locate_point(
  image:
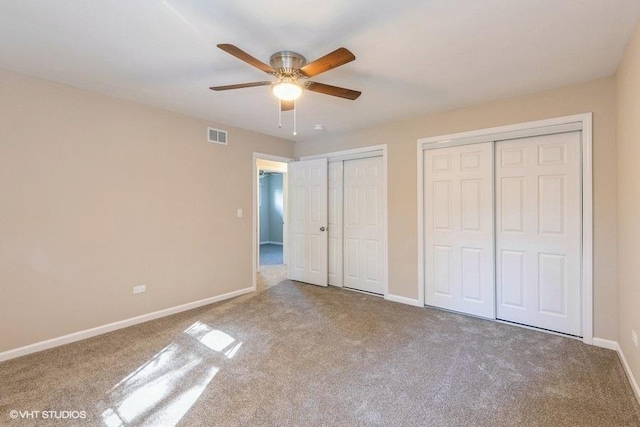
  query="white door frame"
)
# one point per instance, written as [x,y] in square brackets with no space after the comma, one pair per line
[358,153]
[583,122]
[255,224]
[336,228]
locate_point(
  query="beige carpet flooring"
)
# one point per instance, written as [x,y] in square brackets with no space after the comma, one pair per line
[299,355]
[270,275]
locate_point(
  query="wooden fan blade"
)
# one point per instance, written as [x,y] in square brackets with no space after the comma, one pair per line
[333,90]
[332,60]
[244,56]
[287,105]
[240,86]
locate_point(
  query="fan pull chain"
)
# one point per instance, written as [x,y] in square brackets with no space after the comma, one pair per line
[280,113]
[294,119]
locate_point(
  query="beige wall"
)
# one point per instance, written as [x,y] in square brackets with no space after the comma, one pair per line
[98,195]
[628,142]
[597,97]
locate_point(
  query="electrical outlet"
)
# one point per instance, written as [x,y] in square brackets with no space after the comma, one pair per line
[634,337]
[139,289]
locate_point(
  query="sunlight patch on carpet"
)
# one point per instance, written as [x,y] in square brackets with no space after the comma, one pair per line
[214,339]
[160,392]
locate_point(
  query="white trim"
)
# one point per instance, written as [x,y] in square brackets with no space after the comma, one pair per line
[255,265]
[337,183]
[587,228]
[285,217]
[404,300]
[88,333]
[356,156]
[613,345]
[503,136]
[520,130]
[351,154]
[421,243]
[385,200]
[632,379]
[608,344]
[361,153]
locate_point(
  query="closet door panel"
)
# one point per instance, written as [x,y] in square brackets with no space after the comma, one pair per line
[364,225]
[538,239]
[458,224]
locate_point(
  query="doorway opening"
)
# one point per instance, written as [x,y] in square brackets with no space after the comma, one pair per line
[270,245]
[271,212]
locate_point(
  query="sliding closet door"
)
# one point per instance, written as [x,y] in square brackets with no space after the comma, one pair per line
[538,239]
[458,224]
[364,225]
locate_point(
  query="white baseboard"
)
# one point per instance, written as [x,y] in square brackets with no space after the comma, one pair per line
[403,300]
[608,344]
[613,345]
[88,333]
[268,242]
[632,379]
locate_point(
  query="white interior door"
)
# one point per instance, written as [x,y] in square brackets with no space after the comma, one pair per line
[308,221]
[459,233]
[538,239]
[335,223]
[363,221]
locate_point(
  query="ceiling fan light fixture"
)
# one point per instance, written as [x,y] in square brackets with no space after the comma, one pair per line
[287,89]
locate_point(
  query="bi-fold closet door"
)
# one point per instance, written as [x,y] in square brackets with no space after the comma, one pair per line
[502,224]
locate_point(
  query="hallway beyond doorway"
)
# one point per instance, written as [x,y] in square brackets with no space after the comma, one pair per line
[270,254]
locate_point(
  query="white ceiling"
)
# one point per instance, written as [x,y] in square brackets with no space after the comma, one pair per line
[413,57]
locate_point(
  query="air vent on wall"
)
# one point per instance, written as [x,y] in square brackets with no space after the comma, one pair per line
[216,135]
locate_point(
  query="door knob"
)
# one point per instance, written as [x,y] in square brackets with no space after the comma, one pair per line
[322,228]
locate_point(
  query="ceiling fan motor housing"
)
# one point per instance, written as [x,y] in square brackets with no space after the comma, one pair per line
[287,61]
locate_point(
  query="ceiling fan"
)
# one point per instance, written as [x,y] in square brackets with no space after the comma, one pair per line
[292,71]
